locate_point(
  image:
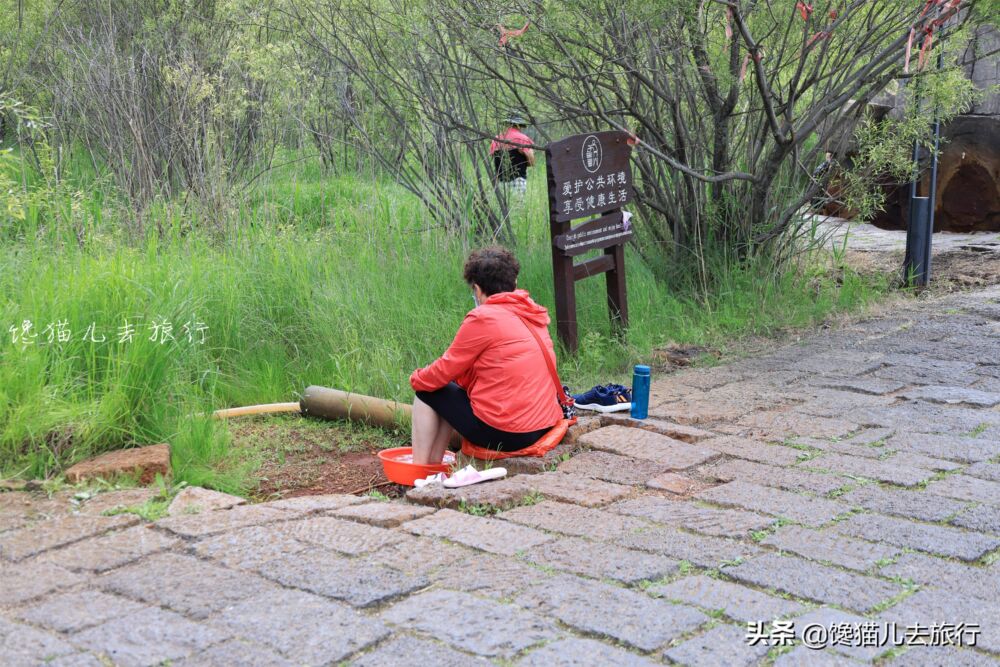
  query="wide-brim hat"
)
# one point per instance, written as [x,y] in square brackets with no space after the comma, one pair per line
[515,118]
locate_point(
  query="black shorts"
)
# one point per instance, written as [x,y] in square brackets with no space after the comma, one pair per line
[452,403]
[509,165]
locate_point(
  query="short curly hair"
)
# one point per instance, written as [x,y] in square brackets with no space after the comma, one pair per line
[494,269]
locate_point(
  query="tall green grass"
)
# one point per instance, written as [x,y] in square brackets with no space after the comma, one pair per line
[333,281]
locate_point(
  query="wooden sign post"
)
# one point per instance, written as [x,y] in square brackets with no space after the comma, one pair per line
[588,176]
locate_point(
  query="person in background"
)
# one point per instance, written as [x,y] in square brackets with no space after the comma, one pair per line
[512,154]
[492,384]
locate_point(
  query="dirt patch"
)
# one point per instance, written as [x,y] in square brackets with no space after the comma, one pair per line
[971,266]
[298,456]
[678,355]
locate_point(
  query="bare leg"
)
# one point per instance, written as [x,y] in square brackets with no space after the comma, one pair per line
[430,434]
[441,441]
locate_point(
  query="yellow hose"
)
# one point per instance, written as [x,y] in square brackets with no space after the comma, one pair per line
[268,408]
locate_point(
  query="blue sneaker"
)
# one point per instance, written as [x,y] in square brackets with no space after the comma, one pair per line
[605,398]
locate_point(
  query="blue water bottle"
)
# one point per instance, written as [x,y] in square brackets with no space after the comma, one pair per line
[640,392]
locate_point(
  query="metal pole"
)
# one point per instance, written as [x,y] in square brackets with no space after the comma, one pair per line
[920,225]
[916,228]
[933,193]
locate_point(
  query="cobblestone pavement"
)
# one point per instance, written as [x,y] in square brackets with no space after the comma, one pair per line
[866,237]
[825,493]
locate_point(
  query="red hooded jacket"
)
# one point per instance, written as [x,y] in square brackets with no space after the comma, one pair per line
[497,361]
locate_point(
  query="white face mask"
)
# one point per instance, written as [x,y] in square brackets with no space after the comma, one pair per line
[475,300]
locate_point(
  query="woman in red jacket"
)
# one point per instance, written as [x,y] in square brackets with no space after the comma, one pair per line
[492,384]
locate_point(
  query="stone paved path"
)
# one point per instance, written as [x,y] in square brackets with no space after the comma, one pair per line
[823,493]
[865,237]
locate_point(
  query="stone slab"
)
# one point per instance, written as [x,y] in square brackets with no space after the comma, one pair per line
[641,444]
[499,630]
[12,522]
[182,583]
[736,602]
[843,447]
[198,525]
[149,637]
[528,465]
[830,404]
[582,427]
[700,379]
[303,628]
[248,548]
[977,582]
[575,489]
[421,556]
[406,651]
[574,520]
[871,386]
[893,470]
[982,470]
[195,500]
[500,494]
[41,536]
[111,550]
[235,652]
[910,370]
[782,425]
[145,462]
[30,579]
[612,467]
[921,417]
[107,501]
[791,479]
[721,645]
[600,609]
[486,534]
[981,518]
[898,502]
[802,656]
[702,550]
[953,396]
[942,656]
[961,544]
[871,437]
[577,652]
[313,504]
[677,484]
[601,561]
[830,620]
[356,581]
[72,612]
[491,576]
[813,581]
[966,487]
[950,447]
[682,514]
[76,660]
[831,547]
[753,450]
[929,462]
[799,508]
[25,646]
[681,432]
[347,537]
[382,514]
[941,604]
[704,410]
[841,363]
